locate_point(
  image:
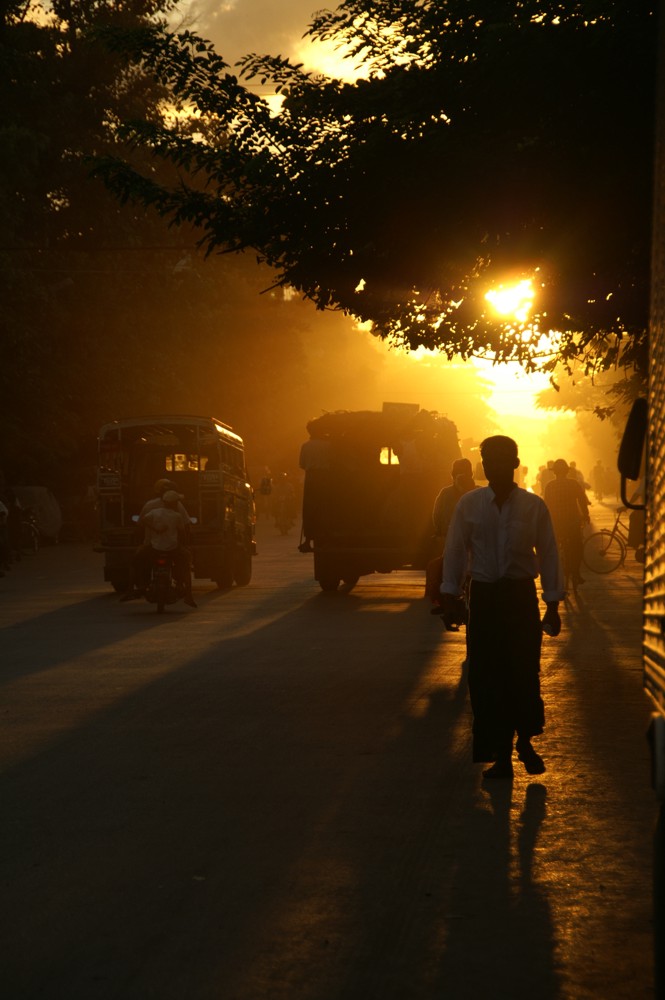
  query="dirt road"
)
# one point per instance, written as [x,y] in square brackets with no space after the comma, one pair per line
[272,797]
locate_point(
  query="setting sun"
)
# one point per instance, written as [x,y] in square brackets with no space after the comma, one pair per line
[514,301]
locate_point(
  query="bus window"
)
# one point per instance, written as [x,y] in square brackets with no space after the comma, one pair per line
[388,457]
[232,459]
[181,462]
[237,461]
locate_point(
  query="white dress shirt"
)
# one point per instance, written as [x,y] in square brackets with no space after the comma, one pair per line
[516,542]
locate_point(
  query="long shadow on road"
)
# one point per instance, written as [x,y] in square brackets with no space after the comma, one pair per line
[47,640]
[291,814]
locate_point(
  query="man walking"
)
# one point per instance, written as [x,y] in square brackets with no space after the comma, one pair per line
[503,536]
[569,509]
[444,505]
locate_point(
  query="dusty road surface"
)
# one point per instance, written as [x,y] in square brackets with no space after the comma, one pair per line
[272,797]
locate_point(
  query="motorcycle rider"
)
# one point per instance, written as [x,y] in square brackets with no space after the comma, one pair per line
[161,487]
[165,530]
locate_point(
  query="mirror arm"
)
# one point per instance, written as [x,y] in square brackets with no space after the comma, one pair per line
[624,499]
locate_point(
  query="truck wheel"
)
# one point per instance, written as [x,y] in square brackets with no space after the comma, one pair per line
[242,567]
[328,581]
[350,582]
[224,575]
[119,582]
[161,593]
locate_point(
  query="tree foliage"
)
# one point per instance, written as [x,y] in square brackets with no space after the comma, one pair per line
[66,247]
[481,141]
[107,312]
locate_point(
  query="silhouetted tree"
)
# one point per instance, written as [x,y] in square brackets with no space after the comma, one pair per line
[73,263]
[483,141]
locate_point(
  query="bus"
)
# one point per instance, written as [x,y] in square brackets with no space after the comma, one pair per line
[204,458]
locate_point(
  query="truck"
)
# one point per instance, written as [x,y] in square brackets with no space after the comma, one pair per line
[204,459]
[371,479]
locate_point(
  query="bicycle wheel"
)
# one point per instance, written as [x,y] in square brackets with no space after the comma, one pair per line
[603,552]
[565,563]
[29,537]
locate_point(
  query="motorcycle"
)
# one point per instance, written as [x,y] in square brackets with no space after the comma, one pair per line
[283,514]
[163,588]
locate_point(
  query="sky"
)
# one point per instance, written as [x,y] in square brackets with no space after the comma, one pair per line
[238,27]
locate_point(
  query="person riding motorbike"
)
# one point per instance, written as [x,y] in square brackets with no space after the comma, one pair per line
[161,487]
[165,531]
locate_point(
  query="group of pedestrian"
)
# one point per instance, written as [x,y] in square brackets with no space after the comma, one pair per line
[604,481]
[498,539]
[546,474]
[263,493]
[276,497]
[563,487]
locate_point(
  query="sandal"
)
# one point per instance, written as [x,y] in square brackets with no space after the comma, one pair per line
[533,762]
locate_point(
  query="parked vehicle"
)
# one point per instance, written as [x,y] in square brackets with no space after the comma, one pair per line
[44,508]
[205,460]
[370,510]
[606,550]
[30,536]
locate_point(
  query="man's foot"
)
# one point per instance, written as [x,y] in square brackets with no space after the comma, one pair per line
[189,600]
[502,769]
[533,762]
[305,547]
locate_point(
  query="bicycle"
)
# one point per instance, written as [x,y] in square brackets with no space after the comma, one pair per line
[605,551]
[570,553]
[29,531]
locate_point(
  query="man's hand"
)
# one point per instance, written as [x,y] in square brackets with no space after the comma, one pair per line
[453,612]
[551,621]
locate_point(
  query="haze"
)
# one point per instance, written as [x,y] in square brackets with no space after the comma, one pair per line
[349,369]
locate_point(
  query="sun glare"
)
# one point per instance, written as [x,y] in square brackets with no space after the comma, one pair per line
[325,57]
[513,301]
[540,433]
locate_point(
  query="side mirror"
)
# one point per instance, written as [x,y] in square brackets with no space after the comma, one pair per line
[631,448]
